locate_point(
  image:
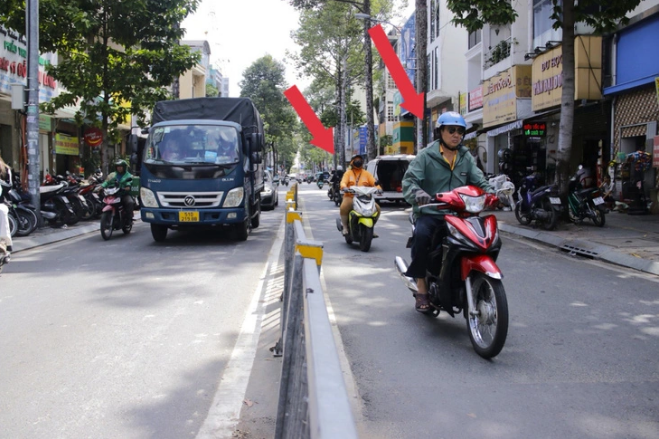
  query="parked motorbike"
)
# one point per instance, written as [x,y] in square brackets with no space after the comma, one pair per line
[55,206]
[22,212]
[502,184]
[585,203]
[114,216]
[361,219]
[463,275]
[540,204]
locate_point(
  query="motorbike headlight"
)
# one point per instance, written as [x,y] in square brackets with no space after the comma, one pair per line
[148,197]
[474,204]
[234,197]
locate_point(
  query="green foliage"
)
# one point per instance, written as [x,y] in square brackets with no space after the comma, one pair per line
[264,83]
[211,90]
[113,54]
[473,14]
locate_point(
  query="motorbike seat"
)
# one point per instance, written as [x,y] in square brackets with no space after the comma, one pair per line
[538,190]
[50,188]
[585,192]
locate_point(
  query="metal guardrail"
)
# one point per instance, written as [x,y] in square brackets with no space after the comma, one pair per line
[313,400]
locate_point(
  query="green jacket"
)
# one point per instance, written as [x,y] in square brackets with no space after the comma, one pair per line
[430,172]
[112,181]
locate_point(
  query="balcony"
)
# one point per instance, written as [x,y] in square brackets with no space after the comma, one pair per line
[498,53]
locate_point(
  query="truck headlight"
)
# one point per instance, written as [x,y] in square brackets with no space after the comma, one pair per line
[148,198]
[234,197]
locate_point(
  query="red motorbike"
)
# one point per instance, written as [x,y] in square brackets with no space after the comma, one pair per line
[114,216]
[463,275]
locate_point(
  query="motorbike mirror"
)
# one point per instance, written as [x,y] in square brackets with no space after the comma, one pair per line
[580,167]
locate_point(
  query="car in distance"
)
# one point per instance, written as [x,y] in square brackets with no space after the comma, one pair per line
[269,194]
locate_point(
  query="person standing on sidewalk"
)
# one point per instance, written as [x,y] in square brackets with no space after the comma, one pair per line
[443,166]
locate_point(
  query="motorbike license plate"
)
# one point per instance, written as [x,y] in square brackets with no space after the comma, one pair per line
[554,200]
[188,216]
[598,201]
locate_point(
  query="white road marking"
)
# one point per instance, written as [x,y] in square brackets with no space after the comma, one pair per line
[224,413]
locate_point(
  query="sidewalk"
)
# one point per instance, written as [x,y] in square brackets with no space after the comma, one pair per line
[627,240]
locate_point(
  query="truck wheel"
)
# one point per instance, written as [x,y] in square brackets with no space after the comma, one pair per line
[158,232]
[256,219]
[242,230]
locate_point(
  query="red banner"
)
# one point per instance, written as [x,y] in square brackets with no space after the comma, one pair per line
[93,136]
[655,153]
[476,98]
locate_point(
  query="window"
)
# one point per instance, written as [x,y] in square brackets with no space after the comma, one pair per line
[434,19]
[390,81]
[390,112]
[475,38]
[542,23]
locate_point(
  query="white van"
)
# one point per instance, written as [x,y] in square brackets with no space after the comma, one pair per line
[388,170]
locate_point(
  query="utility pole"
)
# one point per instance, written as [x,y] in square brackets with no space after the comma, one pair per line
[32,32]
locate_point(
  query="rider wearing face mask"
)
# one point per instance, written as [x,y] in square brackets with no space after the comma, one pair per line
[354,176]
[441,167]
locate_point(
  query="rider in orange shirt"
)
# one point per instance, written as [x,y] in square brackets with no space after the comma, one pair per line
[355,176]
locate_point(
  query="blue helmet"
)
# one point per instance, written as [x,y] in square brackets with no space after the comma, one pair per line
[451,118]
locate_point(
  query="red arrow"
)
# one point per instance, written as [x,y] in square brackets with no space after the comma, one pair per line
[322,137]
[413,101]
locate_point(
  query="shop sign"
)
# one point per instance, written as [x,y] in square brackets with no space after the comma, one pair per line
[13,65]
[548,73]
[398,99]
[655,153]
[656,87]
[66,145]
[44,123]
[93,136]
[500,95]
[463,103]
[535,129]
[476,98]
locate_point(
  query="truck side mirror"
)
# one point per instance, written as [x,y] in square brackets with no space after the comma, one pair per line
[132,142]
[257,159]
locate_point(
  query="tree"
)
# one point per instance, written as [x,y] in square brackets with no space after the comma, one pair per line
[382,7]
[264,83]
[330,38]
[473,14]
[211,90]
[117,57]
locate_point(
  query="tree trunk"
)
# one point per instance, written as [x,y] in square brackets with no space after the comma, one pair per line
[567,99]
[371,149]
[342,107]
[421,43]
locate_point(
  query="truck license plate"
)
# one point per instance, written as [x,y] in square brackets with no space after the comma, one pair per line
[188,217]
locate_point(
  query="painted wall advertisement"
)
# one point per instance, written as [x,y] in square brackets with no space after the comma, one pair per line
[13,66]
[66,145]
[476,98]
[500,95]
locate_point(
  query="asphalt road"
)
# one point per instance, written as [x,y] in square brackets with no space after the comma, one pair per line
[126,338]
[581,359]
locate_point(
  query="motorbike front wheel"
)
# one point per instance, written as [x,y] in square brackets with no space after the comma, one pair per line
[524,218]
[366,237]
[106,225]
[488,324]
[599,217]
[127,227]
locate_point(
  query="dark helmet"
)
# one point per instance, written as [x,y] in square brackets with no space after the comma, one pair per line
[355,156]
[504,155]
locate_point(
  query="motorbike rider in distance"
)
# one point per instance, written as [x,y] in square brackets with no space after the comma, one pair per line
[355,176]
[123,179]
[441,167]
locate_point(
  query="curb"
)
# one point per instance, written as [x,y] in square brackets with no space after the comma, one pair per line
[28,243]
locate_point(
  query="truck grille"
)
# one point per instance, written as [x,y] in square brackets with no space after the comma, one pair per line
[197,200]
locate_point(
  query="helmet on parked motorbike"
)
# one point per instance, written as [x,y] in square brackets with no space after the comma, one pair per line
[504,155]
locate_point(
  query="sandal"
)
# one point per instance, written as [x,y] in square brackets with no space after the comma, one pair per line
[422,303]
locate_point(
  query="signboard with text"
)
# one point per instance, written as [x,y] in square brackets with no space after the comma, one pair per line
[655,153]
[476,98]
[66,145]
[535,129]
[500,95]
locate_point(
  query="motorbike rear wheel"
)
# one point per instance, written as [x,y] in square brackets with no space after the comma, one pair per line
[106,225]
[13,225]
[524,218]
[550,222]
[488,327]
[26,221]
[366,237]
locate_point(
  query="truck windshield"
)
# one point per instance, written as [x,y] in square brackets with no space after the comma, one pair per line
[192,144]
